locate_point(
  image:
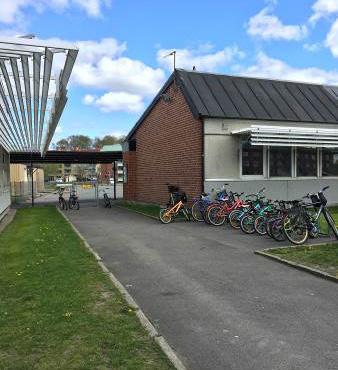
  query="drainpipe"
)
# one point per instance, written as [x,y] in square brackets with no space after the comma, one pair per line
[115,180]
[203,159]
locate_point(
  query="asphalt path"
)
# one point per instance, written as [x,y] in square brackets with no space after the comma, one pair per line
[218,304]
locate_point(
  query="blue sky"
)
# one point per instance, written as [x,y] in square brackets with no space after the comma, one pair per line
[120,65]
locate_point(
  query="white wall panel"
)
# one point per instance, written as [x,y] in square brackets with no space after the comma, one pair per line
[5,197]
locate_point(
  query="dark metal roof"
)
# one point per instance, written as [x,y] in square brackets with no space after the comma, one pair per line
[222,96]
[56,156]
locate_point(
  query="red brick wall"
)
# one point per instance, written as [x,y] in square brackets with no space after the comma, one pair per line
[168,149]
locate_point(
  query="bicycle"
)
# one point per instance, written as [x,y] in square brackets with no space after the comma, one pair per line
[73,201]
[62,200]
[106,199]
[301,223]
[236,216]
[217,214]
[201,204]
[175,206]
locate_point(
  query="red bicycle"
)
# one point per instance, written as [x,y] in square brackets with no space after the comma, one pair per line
[217,214]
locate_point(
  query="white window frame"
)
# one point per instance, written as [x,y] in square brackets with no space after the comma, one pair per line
[321,167]
[318,164]
[251,177]
[292,166]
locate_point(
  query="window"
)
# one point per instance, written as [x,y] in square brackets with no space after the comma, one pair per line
[280,162]
[330,162]
[306,162]
[252,160]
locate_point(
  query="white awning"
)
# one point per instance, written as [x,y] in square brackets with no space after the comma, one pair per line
[33,91]
[290,136]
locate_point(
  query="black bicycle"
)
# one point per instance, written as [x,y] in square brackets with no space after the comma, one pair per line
[73,201]
[106,199]
[62,201]
[303,219]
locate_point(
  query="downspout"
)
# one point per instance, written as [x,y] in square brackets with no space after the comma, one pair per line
[202,156]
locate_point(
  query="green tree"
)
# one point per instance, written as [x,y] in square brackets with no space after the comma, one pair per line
[80,142]
[107,140]
[75,142]
[62,145]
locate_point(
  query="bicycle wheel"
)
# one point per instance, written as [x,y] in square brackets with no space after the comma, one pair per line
[63,204]
[268,226]
[164,216]
[260,225]
[277,231]
[215,217]
[329,219]
[77,205]
[248,224]
[186,213]
[235,218]
[196,211]
[295,230]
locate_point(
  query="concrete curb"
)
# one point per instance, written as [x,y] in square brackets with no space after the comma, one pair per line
[139,212]
[313,271]
[145,322]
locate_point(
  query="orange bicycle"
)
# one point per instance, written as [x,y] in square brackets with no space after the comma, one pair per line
[175,206]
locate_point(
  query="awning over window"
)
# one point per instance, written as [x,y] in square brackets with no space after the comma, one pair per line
[290,136]
[33,91]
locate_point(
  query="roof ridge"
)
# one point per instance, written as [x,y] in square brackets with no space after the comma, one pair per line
[254,78]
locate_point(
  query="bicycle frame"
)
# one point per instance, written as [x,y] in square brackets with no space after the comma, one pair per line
[175,209]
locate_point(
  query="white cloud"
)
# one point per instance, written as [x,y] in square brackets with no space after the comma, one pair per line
[268,67]
[116,101]
[332,39]
[14,11]
[101,66]
[58,130]
[202,57]
[323,8]
[313,47]
[269,27]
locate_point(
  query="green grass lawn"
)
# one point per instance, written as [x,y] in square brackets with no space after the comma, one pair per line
[148,209]
[322,257]
[58,310]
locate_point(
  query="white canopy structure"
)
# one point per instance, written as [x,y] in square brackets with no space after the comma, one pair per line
[33,91]
[290,136]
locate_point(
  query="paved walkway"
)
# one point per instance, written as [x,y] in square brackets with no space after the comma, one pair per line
[218,305]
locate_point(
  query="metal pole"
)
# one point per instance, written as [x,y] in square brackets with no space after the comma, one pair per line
[114,180]
[32,184]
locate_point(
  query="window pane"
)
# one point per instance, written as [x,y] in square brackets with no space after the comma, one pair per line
[306,162]
[280,162]
[252,160]
[330,162]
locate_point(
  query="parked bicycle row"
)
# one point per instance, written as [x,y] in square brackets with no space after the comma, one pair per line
[295,220]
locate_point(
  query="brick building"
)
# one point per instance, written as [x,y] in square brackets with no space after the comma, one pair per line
[203,130]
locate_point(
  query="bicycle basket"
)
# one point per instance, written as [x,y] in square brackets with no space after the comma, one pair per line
[322,198]
[173,189]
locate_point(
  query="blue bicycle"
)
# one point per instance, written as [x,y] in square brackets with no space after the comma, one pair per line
[202,202]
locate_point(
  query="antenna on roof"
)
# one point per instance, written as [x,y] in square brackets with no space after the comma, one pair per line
[173,53]
[29,36]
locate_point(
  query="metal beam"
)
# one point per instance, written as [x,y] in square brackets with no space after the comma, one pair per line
[47,69]
[17,82]
[17,123]
[26,78]
[36,95]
